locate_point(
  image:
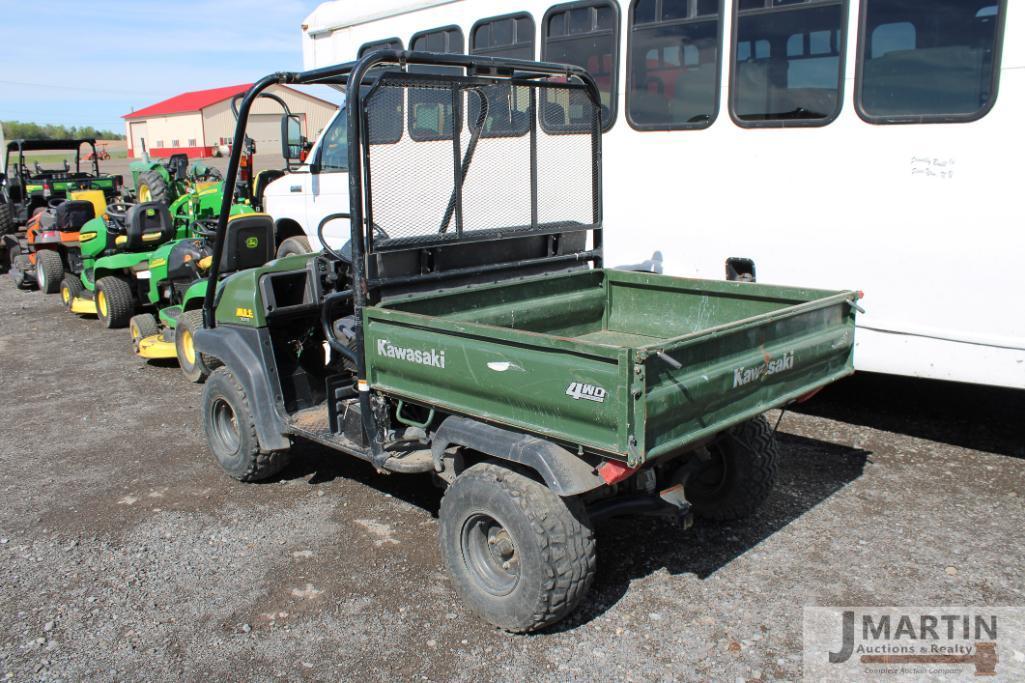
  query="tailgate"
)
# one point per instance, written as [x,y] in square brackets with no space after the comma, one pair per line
[737,370]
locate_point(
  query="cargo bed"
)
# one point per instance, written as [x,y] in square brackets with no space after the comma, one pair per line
[629,365]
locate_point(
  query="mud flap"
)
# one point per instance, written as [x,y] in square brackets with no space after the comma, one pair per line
[563,472]
[248,353]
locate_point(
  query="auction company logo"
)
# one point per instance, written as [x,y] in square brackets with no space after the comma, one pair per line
[905,643]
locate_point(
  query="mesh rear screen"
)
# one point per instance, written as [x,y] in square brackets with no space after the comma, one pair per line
[529,152]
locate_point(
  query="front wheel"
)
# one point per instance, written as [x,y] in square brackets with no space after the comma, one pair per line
[115,304]
[71,286]
[230,430]
[521,556]
[294,245]
[193,364]
[142,326]
[740,474]
[49,271]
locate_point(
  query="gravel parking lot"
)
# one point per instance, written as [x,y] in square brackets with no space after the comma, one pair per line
[126,554]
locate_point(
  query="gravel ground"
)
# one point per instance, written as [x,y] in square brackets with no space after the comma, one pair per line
[125,553]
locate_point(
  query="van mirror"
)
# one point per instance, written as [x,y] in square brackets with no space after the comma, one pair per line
[292,140]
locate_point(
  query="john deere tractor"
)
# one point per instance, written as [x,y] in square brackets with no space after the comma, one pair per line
[157,181]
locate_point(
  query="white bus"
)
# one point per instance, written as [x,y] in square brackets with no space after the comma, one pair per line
[862,144]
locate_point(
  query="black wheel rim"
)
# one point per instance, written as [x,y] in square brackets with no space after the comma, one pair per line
[490,554]
[710,479]
[224,427]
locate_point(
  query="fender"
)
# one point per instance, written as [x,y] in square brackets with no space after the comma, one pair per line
[246,351]
[563,472]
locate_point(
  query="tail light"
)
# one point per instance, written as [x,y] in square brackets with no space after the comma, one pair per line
[245,171]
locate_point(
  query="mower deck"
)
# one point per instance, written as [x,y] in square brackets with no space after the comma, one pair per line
[156,347]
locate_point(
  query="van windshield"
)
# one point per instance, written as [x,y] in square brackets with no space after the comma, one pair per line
[334,148]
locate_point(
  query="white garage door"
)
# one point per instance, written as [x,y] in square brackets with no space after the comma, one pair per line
[265,129]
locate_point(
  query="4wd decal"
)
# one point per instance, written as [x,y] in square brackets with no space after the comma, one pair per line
[429,357]
[586,392]
[742,376]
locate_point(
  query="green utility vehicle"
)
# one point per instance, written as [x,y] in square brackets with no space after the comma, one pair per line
[116,259]
[474,334]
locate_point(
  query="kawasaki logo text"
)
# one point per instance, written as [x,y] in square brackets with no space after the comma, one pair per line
[742,376]
[430,357]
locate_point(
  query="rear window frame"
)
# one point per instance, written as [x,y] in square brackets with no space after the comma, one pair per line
[864,42]
[845,30]
[617,48]
[631,28]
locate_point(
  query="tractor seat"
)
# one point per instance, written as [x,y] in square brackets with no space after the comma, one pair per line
[184,261]
[146,227]
[71,215]
[248,242]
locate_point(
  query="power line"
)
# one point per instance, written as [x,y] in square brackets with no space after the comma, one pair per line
[62,86]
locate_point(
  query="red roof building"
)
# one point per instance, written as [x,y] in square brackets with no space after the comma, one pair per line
[201,124]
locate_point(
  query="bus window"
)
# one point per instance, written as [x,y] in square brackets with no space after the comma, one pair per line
[787,62]
[512,36]
[928,60]
[673,74]
[388,44]
[430,112]
[585,34]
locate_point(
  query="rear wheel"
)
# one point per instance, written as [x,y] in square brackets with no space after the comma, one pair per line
[152,188]
[142,326]
[49,271]
[114,302]
[294,245]
[6,219]
[230,430]
[194,365]
[740,474]
[18,263]
[521,556]
[71,286]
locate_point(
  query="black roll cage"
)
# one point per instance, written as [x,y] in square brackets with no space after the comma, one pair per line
[352,75]
[22,146]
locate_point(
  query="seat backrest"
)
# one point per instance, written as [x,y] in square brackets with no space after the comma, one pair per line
[694,94]
[73,214]
[147,226]
[263,179]
[942,80]
[751,89]
[248,242]
[178,166]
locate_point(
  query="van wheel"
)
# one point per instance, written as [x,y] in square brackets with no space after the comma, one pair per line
[230,430]
[195,366]
[71,286]
[740,475]
[49,271]
[294,245]
[520,556]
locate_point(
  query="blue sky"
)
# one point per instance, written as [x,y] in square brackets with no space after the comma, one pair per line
[87,62]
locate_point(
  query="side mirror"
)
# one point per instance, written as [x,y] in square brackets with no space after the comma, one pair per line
[291,138]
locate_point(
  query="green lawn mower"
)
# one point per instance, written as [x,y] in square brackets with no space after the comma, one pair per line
[116,255]
[178,283]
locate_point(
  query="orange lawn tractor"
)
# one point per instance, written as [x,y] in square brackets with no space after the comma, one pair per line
[49,246]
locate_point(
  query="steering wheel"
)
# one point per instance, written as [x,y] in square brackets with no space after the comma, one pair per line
[379,232]
[205,228]
[118,211]
[54,203]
